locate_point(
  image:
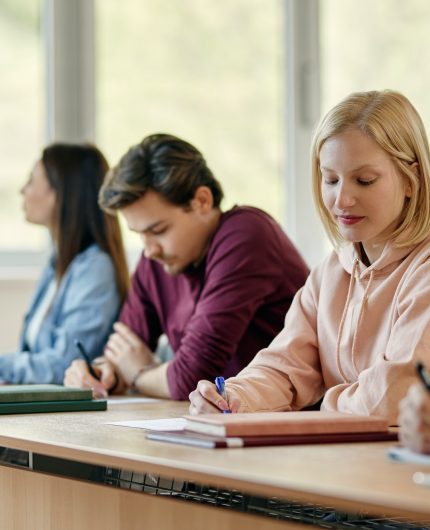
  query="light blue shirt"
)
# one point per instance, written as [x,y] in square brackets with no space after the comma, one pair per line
[85,306]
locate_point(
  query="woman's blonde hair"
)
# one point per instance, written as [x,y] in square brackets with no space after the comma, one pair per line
[393,123]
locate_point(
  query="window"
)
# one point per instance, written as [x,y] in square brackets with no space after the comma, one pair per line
[21,118]
[210,72]
[371,45]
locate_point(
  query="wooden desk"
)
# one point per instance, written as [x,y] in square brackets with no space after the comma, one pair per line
[351,477]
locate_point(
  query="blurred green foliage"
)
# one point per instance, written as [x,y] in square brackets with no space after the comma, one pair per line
[24,12]
[370,45]
[21,117]
[210,72]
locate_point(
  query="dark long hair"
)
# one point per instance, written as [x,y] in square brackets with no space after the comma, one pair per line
[76,173]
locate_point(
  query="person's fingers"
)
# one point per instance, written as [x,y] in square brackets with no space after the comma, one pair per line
[111,356]
[121,328]
[99,392]
[205,399]
[79,366]
[419,442]
[416,395]
[414,419]
[425,408]
[210,394]
[418,398]
[68,377]
[426,442]
[117,344]
[77,375]
[407,415]
[127,334]
[234,404]
[199,405]
[108,376]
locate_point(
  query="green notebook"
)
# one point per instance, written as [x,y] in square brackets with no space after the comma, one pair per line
[52,406]
[28,393]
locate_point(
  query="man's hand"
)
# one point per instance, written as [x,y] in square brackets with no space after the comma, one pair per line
[78,375]
[127,352]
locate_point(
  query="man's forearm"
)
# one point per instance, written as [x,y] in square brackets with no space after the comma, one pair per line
[153,382]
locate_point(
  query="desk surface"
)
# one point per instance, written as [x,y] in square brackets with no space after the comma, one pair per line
[348,476]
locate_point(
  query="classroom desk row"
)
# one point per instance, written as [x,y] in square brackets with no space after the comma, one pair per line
[74,471]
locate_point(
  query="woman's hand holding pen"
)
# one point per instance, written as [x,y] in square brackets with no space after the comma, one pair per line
[414,419]
[78,375]
[206,399]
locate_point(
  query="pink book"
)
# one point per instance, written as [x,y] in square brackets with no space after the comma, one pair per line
[284,423]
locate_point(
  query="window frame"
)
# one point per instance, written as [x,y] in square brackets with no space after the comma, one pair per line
[68,33]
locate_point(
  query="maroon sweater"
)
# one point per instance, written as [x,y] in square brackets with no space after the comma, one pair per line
[220,314]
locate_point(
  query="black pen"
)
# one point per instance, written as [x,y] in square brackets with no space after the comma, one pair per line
[424,376]
[86,357]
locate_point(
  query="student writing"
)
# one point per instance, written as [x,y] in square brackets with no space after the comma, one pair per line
[356,329]
[82,286]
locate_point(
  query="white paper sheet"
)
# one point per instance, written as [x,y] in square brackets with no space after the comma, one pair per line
[123,400]
[167,424]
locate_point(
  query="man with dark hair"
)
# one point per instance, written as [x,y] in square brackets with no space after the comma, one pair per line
[217,284]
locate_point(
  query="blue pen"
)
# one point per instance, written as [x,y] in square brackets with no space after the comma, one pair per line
[220,388]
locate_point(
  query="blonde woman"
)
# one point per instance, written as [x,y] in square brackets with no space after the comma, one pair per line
[355,331]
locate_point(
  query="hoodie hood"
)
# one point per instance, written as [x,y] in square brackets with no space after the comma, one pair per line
[389,259]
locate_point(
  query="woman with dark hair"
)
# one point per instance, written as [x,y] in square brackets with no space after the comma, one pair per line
[86,280]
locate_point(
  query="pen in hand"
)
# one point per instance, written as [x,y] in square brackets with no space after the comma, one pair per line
[423,375]
[420,478]
[220,387]
[86,358]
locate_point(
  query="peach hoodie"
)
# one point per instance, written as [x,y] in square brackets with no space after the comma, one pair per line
[352,335]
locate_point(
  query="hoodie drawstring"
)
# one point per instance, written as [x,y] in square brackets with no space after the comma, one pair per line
[342,320]
[360,318]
